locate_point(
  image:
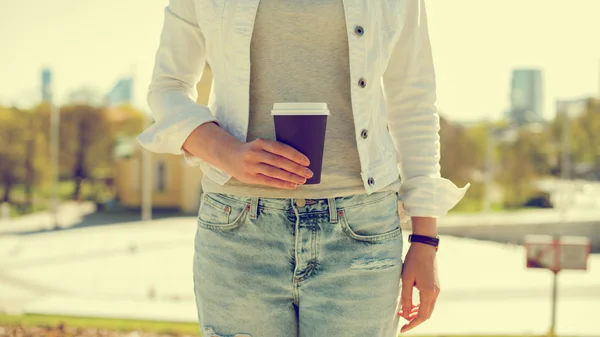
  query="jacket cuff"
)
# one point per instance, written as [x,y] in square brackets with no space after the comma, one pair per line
[212,172]
[430,196]
[169,134]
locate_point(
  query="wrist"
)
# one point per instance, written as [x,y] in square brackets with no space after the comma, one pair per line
[212,144]
[426,226]
[424,241]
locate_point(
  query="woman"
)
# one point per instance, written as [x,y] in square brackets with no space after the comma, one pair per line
[275,257]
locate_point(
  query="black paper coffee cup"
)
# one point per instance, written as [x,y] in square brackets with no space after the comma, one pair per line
[302,126]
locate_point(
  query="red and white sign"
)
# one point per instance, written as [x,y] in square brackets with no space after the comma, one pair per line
[556,254]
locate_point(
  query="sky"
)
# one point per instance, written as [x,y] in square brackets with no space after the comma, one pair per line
[476,44]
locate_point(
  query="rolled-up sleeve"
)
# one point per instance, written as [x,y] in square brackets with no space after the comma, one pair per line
[179,64]
[413,119]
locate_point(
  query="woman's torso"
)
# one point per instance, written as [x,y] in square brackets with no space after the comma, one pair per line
[299,53]
[371,30]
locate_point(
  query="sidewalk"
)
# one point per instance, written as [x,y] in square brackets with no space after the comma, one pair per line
[143,271]
[69,213]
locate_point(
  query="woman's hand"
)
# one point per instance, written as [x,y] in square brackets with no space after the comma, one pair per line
[419,271]
[263,161]
[268,162]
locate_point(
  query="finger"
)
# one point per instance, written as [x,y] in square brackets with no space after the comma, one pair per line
[280,174]
[407,295]
[284,164]
[283,150]
[261,179]
[412,316]
[409,315]
[414,310]
[416,321]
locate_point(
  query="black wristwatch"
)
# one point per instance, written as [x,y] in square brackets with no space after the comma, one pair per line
[428,240]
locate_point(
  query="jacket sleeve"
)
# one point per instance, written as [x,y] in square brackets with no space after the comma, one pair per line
[413,119]
[179,64]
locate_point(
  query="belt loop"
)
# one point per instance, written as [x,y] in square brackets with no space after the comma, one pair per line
[332,210]
[254,208]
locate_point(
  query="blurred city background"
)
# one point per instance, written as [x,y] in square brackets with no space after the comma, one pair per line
[92,226]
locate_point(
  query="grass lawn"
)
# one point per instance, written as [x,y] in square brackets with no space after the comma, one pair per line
[101,323]
[170,328]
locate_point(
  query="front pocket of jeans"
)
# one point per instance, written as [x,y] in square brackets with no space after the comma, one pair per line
[218,214]
[374,223]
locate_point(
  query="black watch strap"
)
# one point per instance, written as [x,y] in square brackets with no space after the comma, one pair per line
[428,240]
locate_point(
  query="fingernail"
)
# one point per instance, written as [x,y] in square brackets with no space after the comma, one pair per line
[292,185]
[306,161]
[308,173]
[301,180]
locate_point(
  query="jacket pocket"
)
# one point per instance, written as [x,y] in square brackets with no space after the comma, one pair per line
[373,222]
[217,212]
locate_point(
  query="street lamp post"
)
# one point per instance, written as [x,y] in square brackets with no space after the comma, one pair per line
[54,154]
[48,96]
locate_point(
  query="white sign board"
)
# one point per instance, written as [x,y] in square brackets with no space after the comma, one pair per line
[556,254]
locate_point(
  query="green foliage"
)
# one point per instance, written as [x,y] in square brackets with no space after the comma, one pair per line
[584,132]
[126,121]
[457,149]
[23,151]
[87,138]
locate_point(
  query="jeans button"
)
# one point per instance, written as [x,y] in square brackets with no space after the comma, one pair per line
[300,202]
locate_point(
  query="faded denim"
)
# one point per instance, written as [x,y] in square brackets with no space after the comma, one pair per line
[278,268]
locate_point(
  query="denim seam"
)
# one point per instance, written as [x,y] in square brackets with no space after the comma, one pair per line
[246,202]
[210,200]
[242,202]
[331,206]
[225,227]
[375,238]
[370,202]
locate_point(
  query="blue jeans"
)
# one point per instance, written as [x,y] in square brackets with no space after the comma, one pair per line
[298,267]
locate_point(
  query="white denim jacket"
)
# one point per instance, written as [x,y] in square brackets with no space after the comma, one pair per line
[393,91]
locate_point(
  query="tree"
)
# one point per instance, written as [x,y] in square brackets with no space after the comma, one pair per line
[522,162]
[458,151]
[460,161]
[86,142]
[125,120]
[37,157]
[13,150]
[585,134]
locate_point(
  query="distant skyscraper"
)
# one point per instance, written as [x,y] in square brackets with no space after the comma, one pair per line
[526,96]
[46,85]
[121,93]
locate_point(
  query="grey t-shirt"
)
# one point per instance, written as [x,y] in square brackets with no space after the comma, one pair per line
[299,53]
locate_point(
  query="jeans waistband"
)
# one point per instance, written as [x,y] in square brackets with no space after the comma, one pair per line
[306,205]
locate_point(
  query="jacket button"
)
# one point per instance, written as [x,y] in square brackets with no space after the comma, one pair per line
[371,181]
[359,30]
[364,133]
[362,83]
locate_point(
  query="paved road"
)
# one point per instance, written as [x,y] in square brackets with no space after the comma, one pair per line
[138,270]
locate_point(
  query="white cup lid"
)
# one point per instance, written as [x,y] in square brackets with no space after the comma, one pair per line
[300,108]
